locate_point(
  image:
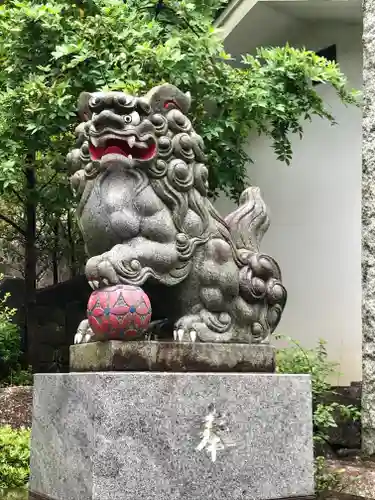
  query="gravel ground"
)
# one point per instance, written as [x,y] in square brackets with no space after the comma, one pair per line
[16,406]
[358,478]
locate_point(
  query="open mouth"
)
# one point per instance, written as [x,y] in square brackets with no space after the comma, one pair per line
[128,146]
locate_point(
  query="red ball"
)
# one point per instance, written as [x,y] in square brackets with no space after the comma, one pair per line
[120,312]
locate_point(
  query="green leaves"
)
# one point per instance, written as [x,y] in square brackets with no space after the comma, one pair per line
[294,359]
[314,362]
[113,43]
[14,457]
[67,49]
[50,52]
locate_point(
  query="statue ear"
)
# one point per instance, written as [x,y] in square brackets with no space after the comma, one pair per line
[84,112]
[166,97]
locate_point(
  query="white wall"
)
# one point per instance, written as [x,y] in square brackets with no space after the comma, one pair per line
[315,207]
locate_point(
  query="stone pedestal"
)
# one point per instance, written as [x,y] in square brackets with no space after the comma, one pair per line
[172,356]
[141,436]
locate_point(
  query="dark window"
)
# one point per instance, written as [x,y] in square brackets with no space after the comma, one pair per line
[329,53]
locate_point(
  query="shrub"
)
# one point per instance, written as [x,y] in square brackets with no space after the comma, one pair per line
[10,341]
[11,371]
[314,362]
[14,457]
[16,494]
[18,376]
[326,479]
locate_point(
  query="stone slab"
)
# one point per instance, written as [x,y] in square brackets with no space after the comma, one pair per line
[171,356]
[134,436]
[368,230]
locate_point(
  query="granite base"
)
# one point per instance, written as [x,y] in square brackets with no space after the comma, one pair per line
[134,436]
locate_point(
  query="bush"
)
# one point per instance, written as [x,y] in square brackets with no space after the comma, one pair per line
[18,376]
[10,341]
[314,362]
[17,494]
[14,457]
[11,371]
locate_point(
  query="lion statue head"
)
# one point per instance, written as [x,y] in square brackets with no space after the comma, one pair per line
[153,135]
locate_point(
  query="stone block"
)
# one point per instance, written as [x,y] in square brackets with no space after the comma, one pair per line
[171,356]
[136,436]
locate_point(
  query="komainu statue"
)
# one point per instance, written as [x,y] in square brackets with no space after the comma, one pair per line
[140,173]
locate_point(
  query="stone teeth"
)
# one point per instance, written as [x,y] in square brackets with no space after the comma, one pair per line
[131,141]
[130,157]
[175,334]
[193,335]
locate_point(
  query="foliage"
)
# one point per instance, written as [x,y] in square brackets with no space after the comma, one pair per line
[11,371]
[52,51]
[315,362]
[326,479]
[325,416]
[10,343]
[18,376]
[10,340]
[58,240]
[15,494]
[330,479]
[14,457]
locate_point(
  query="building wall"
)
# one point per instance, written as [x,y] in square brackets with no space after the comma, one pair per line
[315,207]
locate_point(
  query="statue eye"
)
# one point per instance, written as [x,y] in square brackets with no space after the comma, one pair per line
[127,119]
[95,102]
[121,100]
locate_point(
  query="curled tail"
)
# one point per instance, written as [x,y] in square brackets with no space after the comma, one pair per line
[250,221]
[260,286]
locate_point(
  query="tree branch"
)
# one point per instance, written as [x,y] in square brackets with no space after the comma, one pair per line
[13,224]
[15,268]
[41,229]
[48,182]
[12,249]
[14,238]
[17,195]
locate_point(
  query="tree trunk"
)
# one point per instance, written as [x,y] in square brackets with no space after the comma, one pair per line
[55,254]
[72,248]
[30,265]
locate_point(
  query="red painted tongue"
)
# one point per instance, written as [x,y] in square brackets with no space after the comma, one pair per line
[96,153]
[113,150]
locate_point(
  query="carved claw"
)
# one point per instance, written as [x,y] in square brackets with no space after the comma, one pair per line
[100,272]
[183,335]
[94,284]
[193,335]
[82,339]
[180,334]
[84,333]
